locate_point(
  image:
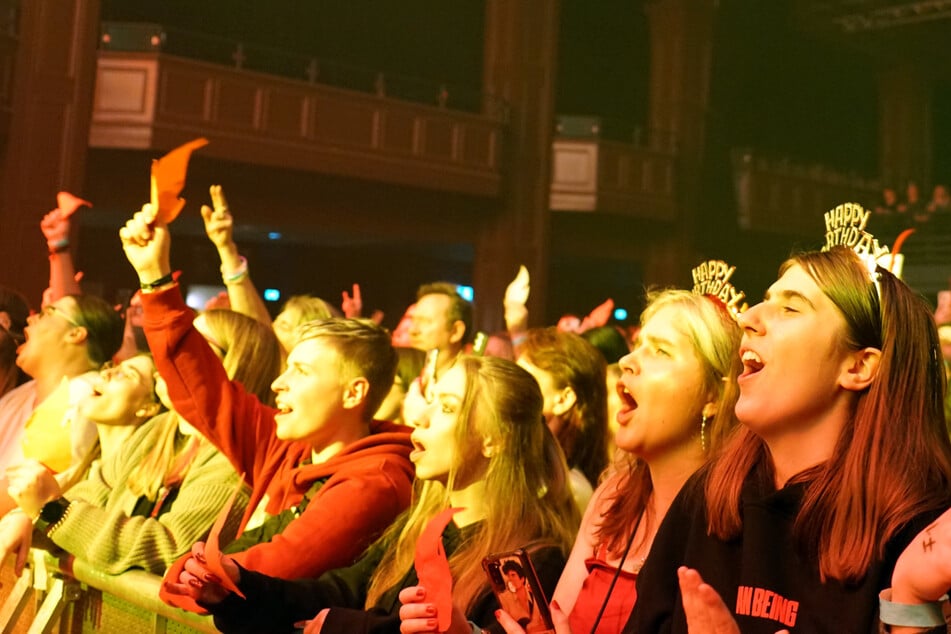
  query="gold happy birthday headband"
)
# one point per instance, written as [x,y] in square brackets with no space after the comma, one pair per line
[712,278]
[845,226]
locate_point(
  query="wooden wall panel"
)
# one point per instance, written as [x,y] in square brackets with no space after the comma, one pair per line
[438,139]
[341,122]
[286,114]
[184,95]
[399,132]
[237,105]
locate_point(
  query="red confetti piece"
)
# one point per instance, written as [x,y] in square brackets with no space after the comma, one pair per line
[432,567]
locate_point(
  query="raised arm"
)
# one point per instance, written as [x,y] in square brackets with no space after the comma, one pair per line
[516,313]
[200,390]
[55,228]
[219,227]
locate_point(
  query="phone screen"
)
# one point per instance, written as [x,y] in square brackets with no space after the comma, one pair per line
[518,590]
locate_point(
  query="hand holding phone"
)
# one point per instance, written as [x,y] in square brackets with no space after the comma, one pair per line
[516,587]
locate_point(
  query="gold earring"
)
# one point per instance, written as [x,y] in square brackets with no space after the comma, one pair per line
[703,433]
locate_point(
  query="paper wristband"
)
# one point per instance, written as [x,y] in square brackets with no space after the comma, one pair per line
[910,615]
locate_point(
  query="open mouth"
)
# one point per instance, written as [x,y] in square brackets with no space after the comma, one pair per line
[752,363]
[283,409]
[627,399]
[418,449]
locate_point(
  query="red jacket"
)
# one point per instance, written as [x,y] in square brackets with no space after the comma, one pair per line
[369,484]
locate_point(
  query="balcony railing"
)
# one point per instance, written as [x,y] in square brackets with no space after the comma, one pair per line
[611,177]
[777,196]
[151,100]
[156,38]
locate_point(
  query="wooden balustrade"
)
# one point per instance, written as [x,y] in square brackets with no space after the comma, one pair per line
[156,101]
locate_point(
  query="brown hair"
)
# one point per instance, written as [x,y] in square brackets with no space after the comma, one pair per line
[459,308]
[866,491]
[573,362]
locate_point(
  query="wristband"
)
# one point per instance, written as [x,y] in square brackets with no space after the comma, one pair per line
[51,515]
[58,246]
[909,615]
[162,281]
[232,277]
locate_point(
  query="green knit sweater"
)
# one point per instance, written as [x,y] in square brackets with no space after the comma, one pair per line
[98,528]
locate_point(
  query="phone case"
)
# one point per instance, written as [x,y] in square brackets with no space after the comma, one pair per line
[515,584]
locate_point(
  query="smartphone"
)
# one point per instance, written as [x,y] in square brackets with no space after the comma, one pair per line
[514,582]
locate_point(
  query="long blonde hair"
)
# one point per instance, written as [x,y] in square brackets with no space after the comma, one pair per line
[528,502]
[251,356]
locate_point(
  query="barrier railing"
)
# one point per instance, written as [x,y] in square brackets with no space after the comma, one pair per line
[63,595]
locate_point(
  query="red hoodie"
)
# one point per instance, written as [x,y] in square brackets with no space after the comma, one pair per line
[369,482]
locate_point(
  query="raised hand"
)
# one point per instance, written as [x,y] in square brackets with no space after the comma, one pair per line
[55,228]
[352,306]
[516,294]
[597,317]
[518,289]
[219,224]
[146,245]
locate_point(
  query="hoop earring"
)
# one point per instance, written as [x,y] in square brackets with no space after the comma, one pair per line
[703,433]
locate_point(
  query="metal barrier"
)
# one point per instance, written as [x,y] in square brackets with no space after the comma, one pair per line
[72,597]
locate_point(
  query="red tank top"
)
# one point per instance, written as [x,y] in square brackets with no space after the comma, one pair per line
[592,594]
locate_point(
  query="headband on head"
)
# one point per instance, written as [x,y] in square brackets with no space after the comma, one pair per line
[845,226]
[711,278]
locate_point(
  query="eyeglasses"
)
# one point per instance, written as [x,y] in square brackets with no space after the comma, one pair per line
[50,309]
[110,369]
